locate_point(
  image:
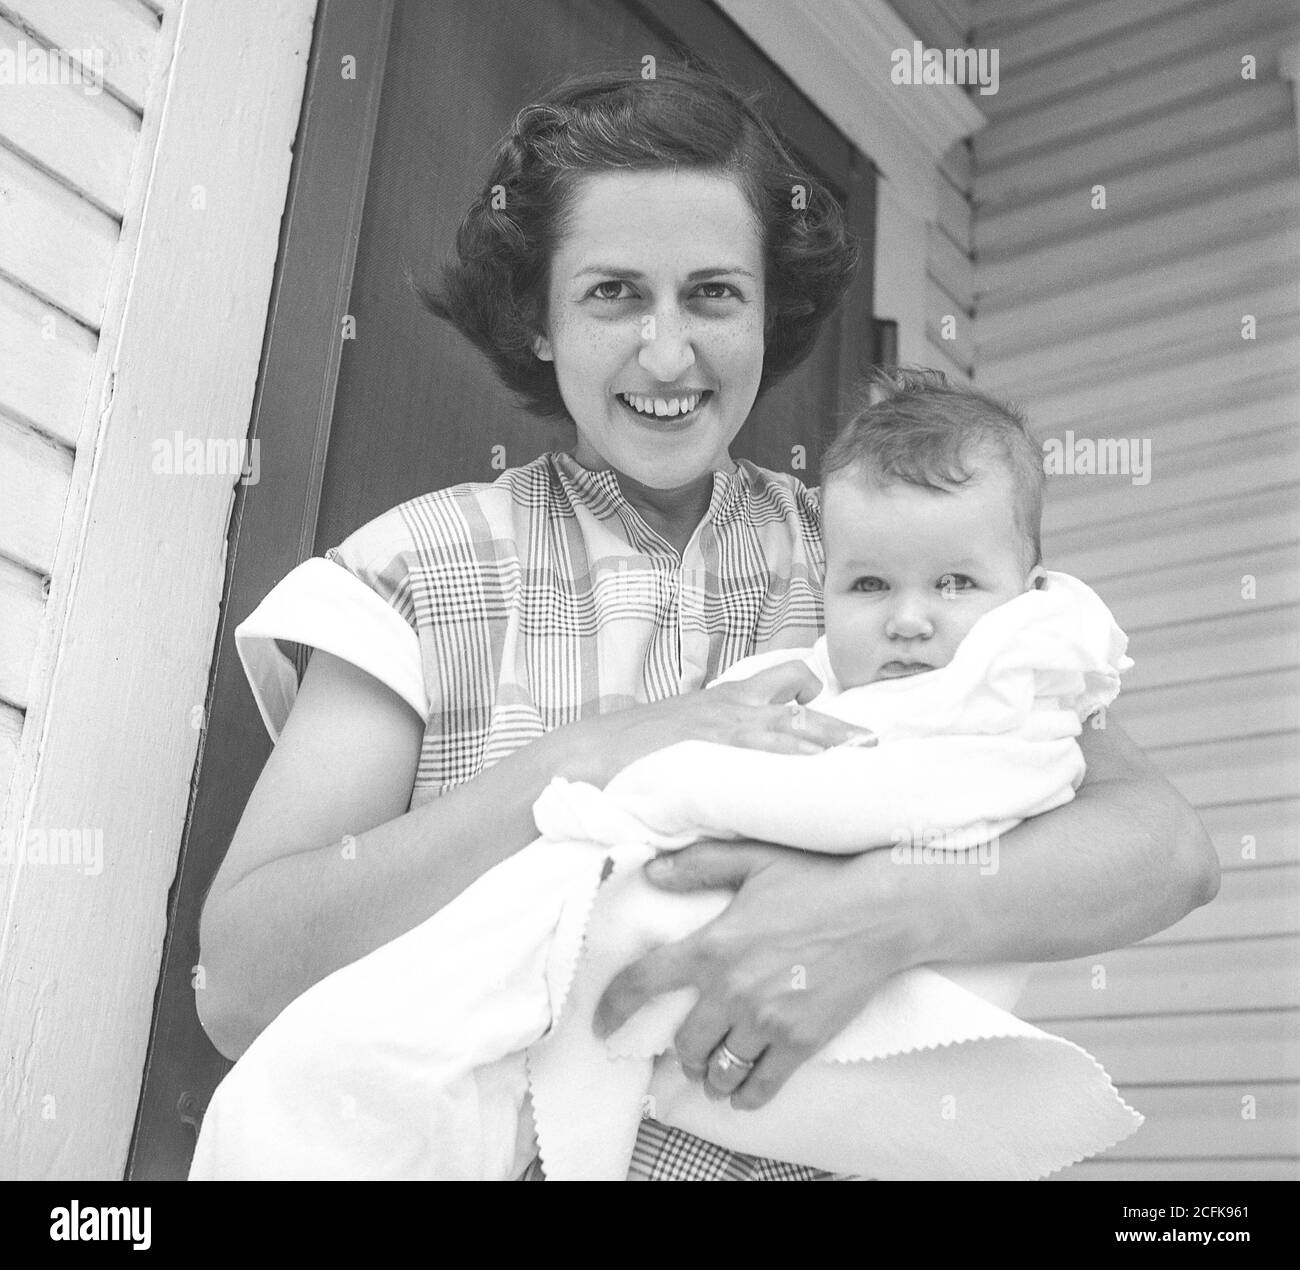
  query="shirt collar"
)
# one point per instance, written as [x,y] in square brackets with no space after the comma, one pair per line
[599,490]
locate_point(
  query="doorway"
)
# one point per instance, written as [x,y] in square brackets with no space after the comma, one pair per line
[385,162]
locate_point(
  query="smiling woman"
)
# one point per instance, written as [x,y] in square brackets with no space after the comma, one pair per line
[674,317]
[644,260]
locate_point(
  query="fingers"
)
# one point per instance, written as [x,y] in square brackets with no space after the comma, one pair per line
[709,864]
[774,1067]
[821,729]
[698,1037]
[660,970]
[790,681]
[732,1062]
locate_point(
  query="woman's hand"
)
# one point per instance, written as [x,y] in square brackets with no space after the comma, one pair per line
[792,960]
[808,938]
[764,712]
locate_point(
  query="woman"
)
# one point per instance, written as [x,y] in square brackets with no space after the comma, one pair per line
[637,262]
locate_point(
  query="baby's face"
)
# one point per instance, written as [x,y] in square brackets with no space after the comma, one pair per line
[910,570]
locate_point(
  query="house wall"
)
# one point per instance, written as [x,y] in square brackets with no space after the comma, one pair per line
[839,53]
[937,327]
[1127,322]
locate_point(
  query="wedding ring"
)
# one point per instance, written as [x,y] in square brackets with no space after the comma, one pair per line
[726,1060]
[798,716]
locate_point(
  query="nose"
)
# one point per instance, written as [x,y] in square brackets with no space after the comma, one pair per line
[667,349]
[910,619]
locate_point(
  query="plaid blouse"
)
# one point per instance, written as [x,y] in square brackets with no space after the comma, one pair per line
[544,597]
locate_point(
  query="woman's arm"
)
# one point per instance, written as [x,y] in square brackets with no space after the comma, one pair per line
[808,939]
[327,863]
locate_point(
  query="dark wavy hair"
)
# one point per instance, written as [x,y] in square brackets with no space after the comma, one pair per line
[494,288]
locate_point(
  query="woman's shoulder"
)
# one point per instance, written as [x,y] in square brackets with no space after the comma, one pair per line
[441,524]
[782,492]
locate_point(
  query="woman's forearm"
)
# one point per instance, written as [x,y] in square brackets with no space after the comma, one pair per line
[335,903]
[1126,858]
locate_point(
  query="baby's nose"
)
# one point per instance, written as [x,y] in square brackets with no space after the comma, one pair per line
[910,621]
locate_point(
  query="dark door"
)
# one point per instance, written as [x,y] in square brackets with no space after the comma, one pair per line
[384,165]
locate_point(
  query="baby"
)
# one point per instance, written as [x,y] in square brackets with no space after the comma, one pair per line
[931,504]
[973,667]
[931,509]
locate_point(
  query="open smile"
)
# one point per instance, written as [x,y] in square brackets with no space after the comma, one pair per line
[675,410]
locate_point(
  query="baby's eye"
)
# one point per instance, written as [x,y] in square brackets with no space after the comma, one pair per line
[867,584]
[601,291]
[951,583]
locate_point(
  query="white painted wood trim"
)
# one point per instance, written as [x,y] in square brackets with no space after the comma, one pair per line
[838,53]
[110,742]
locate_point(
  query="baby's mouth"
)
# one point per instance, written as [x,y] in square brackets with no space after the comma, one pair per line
[900,669]
[673,409]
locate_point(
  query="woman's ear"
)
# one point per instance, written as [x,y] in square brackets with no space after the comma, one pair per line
[542,348]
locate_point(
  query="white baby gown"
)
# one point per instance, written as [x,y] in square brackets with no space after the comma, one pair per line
[417,1061]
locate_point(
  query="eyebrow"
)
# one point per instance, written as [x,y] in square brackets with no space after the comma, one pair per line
[636,276]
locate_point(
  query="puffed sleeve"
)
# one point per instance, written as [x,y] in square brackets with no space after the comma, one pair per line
[354,603]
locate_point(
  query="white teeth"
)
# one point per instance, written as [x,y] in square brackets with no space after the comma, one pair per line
[662,407]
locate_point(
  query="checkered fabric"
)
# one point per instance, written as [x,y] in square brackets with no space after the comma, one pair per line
[544,597]
[664,1154]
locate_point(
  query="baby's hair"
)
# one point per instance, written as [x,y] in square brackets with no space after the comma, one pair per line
[493,290]
[923,430]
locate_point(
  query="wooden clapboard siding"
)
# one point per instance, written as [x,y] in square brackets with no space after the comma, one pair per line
[946,24]
[1210,529]
[1127,322]
[1153,979]
[950,274]
[1168,85]
[1094,353]
[66,156]
[1135,195]
[1260,833]
[1193,1048]
[1046,29]
[1196,1168]
[1087,65]
[1041,176]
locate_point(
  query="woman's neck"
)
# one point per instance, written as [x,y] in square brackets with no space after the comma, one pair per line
[673,513]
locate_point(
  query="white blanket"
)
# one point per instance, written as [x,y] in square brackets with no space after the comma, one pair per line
[417,1060]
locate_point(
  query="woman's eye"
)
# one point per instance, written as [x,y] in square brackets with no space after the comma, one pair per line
[867,584]
[717,290]
[951,583]
[609,291]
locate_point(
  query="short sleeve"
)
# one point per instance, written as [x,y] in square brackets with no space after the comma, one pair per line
[354,604]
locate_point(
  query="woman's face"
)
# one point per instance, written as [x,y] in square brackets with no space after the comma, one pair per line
[655,322]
